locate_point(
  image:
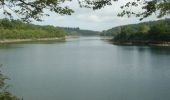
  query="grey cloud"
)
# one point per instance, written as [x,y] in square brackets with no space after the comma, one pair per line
[95,20]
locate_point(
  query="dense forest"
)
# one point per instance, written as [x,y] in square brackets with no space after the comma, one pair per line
[16,29]
[80,31]
[147,32]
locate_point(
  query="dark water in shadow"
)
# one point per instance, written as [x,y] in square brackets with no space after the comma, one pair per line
[87,68]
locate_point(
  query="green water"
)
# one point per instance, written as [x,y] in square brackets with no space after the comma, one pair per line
[86,68]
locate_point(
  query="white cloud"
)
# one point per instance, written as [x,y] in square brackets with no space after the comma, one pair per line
[94,18]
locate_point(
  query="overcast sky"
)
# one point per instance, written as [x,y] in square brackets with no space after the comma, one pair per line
[85,18]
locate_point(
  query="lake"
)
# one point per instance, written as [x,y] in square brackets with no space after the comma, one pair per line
[86,68]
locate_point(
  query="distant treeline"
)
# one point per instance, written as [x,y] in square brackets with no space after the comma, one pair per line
[154,31]
[16,29]
[81,32]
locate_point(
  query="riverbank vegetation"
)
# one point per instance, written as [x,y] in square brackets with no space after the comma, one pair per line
[153,32]
[16,29]
[78,31]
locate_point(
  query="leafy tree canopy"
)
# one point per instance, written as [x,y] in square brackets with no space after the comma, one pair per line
[149,7]
[147,32]
[34,9]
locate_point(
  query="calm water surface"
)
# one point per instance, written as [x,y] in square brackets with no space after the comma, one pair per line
[86,68]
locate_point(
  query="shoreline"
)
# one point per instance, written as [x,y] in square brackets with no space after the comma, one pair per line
[3,41]
[74,36]
[139,43]
[29,40]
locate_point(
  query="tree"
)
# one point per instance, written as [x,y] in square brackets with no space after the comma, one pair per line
[144,29]
[34,9]
[5,23]
[160,7]
[159,27]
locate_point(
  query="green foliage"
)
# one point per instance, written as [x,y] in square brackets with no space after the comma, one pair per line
[149,7]
[28,10]
[78,31]
[4,93]
[111,32]
[156,31]
[160,31]
[16,29]
[143,29]
[34,9]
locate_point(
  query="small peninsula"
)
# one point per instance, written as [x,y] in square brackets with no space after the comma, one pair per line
[146,33]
